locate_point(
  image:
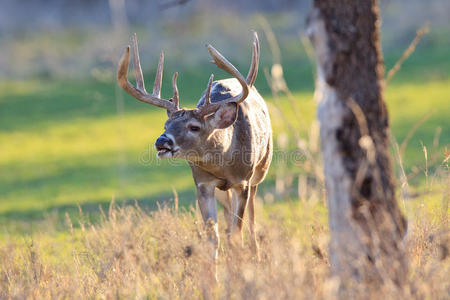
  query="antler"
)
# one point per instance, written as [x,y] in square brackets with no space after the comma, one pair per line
[139,91]
[225,65]
[253,72]
[208,90]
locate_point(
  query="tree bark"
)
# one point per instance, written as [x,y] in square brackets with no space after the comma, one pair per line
[365,221]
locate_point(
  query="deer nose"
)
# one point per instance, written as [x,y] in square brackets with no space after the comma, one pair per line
[163,142]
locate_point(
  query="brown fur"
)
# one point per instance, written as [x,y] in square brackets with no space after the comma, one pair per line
[235,158]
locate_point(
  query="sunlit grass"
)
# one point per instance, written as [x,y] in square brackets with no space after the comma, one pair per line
[72,159]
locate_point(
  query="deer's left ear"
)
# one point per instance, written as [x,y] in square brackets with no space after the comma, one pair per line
[225,116]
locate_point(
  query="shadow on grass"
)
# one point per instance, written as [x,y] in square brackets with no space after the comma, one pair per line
[32,220]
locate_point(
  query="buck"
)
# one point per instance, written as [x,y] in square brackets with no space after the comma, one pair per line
[226,139]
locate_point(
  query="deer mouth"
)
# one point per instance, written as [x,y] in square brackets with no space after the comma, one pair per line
[164,152]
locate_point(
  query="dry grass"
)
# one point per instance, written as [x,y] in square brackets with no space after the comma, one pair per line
[165,254]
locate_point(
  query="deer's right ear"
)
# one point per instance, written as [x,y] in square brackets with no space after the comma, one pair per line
[224,117]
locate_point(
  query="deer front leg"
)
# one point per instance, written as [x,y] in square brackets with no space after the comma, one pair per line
[208,208]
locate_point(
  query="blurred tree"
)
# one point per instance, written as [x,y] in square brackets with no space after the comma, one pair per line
[366,223]
[118,14]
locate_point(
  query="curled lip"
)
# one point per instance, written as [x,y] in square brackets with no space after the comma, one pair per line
[165,151]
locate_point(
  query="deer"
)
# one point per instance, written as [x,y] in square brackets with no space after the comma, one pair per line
[226,139]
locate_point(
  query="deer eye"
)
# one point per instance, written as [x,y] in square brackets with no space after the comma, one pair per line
[194,128]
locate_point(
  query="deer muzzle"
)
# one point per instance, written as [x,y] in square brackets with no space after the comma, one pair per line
[165,146]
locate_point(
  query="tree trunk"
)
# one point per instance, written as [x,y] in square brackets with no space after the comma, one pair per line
[365,221]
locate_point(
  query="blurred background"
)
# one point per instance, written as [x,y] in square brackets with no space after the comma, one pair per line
[70,138]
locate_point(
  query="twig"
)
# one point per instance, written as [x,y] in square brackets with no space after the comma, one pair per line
[273,44]
[403,178]
[298,139]
[419,34]
[417,169]
[277,70]
[413,130]
[309,49]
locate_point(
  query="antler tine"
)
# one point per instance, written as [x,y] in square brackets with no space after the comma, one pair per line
[208,90]
[158,77]
[137,64]
[176,100]
[122,71]
[225,65]
[139,91]
[253,72]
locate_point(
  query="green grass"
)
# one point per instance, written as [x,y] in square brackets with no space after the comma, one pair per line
[70,143]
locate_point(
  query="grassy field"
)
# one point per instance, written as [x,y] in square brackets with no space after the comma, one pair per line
[66,145]
[70,143]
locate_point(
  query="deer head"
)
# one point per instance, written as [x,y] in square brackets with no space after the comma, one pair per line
[188,130]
